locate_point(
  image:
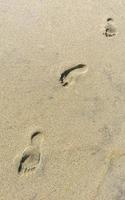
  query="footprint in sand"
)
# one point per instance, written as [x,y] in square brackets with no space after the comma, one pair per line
[113,185]
[69,76]
[31,156]
[110,29]
[29,161]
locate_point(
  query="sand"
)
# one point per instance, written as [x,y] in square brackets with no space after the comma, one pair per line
[62,97]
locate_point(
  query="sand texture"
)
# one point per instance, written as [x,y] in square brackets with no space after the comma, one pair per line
[62,100]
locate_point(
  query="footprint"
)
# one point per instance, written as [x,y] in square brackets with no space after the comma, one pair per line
[29,160]
[110,29]
[70,75]
[31,156]
[37,138]
[113,185]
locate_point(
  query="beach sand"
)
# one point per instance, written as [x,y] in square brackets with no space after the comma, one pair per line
[62,97]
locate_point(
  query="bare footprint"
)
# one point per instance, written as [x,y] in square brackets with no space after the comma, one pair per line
[29,160]
[37,138]
[110,29]
[70,75]
[31,156]
[113,185]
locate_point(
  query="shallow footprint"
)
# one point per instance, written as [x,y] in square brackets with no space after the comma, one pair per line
[29,160]
[110,29]
[37,138]
[31,156]
[70,75]
[113,185]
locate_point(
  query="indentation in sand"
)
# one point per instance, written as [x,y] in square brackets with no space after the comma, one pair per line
[29,160]
[113,183]
[37,138]
[70,75]
[31,156]
[110,29]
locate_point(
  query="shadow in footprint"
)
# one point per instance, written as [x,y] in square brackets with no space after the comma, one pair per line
[69,75]
[31,156]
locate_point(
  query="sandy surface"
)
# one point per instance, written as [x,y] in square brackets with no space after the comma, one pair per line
[62,131]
